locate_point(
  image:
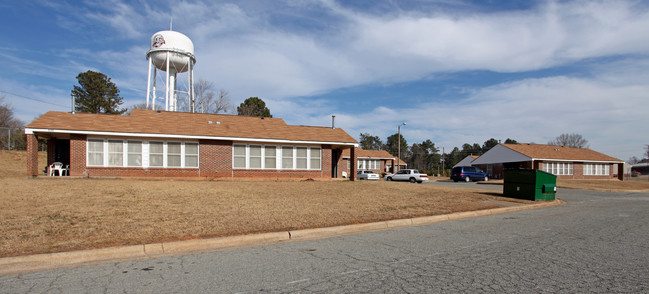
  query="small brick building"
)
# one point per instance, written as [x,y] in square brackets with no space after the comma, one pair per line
[177,144]
[378,161]
[564,162]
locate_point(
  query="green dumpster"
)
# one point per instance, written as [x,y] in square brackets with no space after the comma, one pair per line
[530,184]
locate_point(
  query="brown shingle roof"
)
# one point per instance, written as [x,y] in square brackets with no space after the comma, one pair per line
[369,153]
[537,151]
[189,124]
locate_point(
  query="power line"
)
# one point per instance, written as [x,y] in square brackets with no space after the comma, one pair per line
[34,99]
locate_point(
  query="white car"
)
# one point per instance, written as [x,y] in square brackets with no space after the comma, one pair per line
[410,175]
[367,175]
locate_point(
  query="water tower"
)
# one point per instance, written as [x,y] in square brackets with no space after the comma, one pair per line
[172,53]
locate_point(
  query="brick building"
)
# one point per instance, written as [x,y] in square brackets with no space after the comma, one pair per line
[176,144]
[564,162]
[378,161]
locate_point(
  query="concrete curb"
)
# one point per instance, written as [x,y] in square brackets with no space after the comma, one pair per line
[29,263]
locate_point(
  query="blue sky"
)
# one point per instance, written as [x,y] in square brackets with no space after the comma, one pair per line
[456,71]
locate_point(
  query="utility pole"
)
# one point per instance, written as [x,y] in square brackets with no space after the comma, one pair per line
[443,161]
[399,147]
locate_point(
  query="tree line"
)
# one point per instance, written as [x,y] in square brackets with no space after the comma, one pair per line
[425,156]
[428,158]
[96,93]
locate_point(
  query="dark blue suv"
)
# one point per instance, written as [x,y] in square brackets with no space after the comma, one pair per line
[468,174]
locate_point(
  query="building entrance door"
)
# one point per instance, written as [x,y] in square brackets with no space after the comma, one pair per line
[335,154]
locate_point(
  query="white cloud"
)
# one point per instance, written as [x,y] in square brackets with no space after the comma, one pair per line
[550,34]
[405,46]
[241,48]
[609,112]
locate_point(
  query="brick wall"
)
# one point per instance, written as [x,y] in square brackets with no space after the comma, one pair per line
[32,155]
[353,156]
[261,173]
[140,172]
[326,161]
[77,155]
[215,158]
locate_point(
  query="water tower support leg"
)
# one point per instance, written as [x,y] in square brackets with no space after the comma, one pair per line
[148,84]
[153,96]
[167,82]
[192,100]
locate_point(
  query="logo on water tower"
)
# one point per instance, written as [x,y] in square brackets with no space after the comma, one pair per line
[158,40]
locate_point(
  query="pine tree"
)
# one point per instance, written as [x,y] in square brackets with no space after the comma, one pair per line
[96,94]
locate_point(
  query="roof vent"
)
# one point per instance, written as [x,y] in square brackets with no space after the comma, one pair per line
[218,122]
[209,121]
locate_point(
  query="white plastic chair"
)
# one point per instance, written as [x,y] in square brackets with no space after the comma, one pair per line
[66,170]
[57,166]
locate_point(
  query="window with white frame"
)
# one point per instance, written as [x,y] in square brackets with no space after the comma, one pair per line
[270,157]
[95,152]
[136,153]
[115,153]
[266,157]
[239,154]
[315,158]
[287,157]
[156,154]
[191,154]
[558,168]
[173,154]
[300,157]
[369,164]
[255,156]
[134,149]
[596,169]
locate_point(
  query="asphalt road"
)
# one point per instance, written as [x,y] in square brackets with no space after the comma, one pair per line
[598,242]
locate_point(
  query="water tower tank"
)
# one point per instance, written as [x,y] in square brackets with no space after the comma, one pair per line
[179,47]
[173,53]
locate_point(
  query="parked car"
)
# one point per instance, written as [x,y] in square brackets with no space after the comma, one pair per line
[367,175]
[468,174]
[411,175]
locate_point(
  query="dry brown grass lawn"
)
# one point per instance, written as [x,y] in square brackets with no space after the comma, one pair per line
[53,214]
[605,185]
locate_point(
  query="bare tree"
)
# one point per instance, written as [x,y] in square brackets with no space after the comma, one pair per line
[570,140]
[209,102]
[7,118]
[219,103]
[206,100]
[11,133]
[134,107]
